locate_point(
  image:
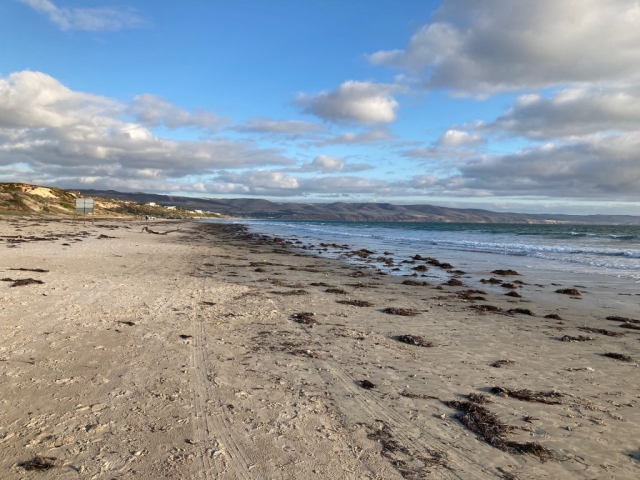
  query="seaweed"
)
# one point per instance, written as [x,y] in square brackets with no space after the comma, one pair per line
[505,273]
[553,316]
[416,283]
[616,318]
[528,395]
[569,291]
[338,291]
[514,294]
[37,270]
[454,282]
[601,331]
[21,282]
[291,292]
[631,326]
[478,398]
[405,312]
[521,311]
[38,463]
[366,384]
[356,303]
[305,318]
[420,268]
[502,363]
[416,340]
[486,308]
[579,338]
[618,356]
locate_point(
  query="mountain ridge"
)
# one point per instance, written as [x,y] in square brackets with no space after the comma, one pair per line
[362,211]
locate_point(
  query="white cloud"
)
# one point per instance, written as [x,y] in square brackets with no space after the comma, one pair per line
[265,125]
[153,111]
[353,102]
[324,164]
[91,19]
[480,47]
[61,134]
[458,138]
[354,138]
[595,166]
[571,112]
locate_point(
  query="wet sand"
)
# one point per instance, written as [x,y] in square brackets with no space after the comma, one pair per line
[211,353]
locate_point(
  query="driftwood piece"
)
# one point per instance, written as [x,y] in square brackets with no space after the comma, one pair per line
[148,230]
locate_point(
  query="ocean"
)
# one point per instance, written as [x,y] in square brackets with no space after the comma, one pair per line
[604,253]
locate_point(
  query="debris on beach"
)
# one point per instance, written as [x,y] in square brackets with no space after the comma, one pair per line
[129,323]
[420,268]
[405,312]
[22,281]
[291,292]
[528,395]
[492,280]
[356,303]
[632,326]
[337,291]
[505,273]
[618,356]
[488,426]
[454,282]
[553,316]
[514,294]
[486,308]
[509,285]
[416,340]
[502,363]
[521,311]
[416,283]
[615,318]
[579,338]
[305,318]
[366,384]
[38,463]
[601,331]
[478,398]
[409,463]
[184,336]
[569,291]
[36,270]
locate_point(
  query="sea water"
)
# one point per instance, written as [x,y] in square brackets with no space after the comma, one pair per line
[583,252]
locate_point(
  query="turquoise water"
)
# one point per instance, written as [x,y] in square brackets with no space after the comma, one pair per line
[590,249]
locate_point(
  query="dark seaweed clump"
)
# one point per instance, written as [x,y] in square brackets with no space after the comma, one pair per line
[521,311]
[618,356]
[414,340]
[305,318]
[502,363]
[601,331]
[405,312]
[505,273]
[528,395]
[356,303]
[569,291]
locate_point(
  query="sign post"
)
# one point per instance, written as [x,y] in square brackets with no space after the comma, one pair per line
[84,206]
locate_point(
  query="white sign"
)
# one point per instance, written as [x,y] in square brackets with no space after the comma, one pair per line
[84,205]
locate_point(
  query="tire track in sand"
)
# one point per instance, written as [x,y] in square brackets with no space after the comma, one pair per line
[216,424]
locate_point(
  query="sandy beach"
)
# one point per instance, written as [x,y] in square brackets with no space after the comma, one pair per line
[209,353]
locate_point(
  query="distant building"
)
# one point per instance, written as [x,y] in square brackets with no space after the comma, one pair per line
[171,208]
[199,212]
[152,204]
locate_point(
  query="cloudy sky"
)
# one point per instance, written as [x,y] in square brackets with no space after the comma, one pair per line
[517,105]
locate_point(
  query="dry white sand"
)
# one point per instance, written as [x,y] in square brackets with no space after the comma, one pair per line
[148,356]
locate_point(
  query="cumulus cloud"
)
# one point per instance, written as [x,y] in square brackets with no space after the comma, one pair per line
[571,112]
[353,102]
[287,127]
[596,166]
[153,111]
[480,47]
[60,133]
[92,19]
[459,138]
[324,164]
[365,137]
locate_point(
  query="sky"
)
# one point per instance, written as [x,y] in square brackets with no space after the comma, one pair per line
[509,105]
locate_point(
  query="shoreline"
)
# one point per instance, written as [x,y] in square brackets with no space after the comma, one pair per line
[218,376]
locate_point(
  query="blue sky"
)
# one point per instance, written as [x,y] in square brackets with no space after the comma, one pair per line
[500,104]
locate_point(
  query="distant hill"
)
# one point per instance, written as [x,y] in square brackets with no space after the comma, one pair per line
[374,212]
[26,199]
